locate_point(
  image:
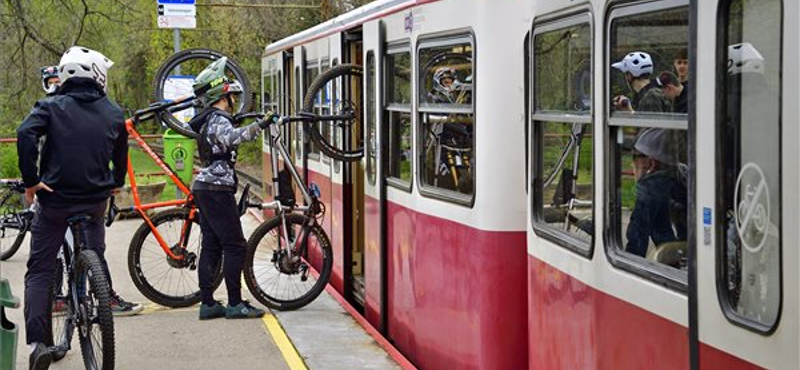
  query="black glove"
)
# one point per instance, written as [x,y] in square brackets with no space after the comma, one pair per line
[269,118]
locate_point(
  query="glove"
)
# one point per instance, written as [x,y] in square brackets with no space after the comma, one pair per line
[269,118]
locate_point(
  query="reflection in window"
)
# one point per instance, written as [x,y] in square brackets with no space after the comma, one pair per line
[563,193]
[398,96]
[372,136]
[563,69]
[649,169]
[642,47]
[312,71]
[749,62]
[446,117]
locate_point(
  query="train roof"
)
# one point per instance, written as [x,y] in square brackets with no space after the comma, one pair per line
[351,19]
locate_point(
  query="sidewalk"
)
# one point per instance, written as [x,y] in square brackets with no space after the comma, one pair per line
[320,336]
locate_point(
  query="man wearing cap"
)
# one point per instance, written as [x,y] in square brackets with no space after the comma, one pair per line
[660,209]
[637,67]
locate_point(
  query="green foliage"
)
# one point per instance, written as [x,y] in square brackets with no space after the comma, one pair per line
[8,162]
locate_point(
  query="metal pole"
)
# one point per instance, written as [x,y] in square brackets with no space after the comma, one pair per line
[176,47]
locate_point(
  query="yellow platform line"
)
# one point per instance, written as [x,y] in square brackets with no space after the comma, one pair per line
[290,354]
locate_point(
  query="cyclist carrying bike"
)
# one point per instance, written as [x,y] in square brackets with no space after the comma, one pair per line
[86,132]
[214,190]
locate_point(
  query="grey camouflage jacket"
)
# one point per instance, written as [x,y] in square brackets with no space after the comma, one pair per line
[223,138]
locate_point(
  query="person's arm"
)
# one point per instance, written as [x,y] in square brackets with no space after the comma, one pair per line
[32,128]
[119,157]
[222,130]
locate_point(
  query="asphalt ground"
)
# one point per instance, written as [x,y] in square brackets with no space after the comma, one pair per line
[320,336]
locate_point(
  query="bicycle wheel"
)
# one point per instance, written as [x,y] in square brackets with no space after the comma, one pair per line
[13,225]
[345,82]
[94,321]
[176,74]
[162,279]
[273,279]
[63,326]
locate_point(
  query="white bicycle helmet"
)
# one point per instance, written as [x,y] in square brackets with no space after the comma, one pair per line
[744,58]
[79,61]
[638,63]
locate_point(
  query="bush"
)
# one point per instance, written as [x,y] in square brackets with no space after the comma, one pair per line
[8,161]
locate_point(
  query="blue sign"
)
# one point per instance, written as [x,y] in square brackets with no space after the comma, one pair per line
[706,216]
[187,2]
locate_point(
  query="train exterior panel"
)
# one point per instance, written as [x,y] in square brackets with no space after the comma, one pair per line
[529,264]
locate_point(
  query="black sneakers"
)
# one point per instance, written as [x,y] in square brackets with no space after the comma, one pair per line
[40,358]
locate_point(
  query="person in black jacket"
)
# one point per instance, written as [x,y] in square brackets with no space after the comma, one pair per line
[85,132]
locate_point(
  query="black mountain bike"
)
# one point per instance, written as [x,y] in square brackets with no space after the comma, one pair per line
[15,217]
[83,304]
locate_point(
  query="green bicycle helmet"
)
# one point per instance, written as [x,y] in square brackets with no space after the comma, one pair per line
[212,84]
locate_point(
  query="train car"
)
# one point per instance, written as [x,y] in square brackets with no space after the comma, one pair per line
[667,243]
[537,193]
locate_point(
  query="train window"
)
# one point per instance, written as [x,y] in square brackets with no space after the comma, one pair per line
[325,105]
[446,151]
[312,71]
[297,127]
[647,177]
[336,135]
[371,144]
[563,160]
[398,114]
[749,161]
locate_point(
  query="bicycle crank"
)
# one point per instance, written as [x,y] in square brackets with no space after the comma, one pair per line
[187,259]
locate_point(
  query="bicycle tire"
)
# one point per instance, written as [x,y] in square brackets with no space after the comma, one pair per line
[139,274]
[316,87]
[89,269]
[183,56]
[252,273]
[8,250]
[62,326]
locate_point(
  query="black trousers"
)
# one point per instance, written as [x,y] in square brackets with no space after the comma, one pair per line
[222,236]
[47,235]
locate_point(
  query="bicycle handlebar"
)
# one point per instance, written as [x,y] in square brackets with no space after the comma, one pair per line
[175,105]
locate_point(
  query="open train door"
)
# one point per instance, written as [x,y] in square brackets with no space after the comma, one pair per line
[353,174]
[374,257]
[744,275]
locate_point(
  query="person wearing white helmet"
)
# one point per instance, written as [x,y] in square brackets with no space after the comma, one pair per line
[637,67]
[659,213]
[70,175]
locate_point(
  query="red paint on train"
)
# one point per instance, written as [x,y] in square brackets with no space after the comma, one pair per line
[712,358]
[372,261]
[574,326]
[457,295]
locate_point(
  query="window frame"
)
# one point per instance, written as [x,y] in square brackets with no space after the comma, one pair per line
[669,277]
[370,118]
[314,154]
[455,37]
[549,23]
[719,213]
[399,47]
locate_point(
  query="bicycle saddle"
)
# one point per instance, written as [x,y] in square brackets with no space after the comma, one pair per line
[78,219]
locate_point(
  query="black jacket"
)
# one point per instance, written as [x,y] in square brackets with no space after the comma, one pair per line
[85,132]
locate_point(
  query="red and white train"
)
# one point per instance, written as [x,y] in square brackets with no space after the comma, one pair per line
[492,221]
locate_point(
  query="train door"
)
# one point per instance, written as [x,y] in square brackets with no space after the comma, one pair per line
[745,314]
[354,182]
[374,187]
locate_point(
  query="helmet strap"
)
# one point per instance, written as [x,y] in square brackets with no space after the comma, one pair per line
[230,102]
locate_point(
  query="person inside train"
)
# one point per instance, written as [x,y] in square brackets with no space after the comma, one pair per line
[681,64]
[637,68]
[659,213]
[673,90]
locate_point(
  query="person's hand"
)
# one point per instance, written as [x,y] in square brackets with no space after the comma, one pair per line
[621,102]
[31,191]
[269,118]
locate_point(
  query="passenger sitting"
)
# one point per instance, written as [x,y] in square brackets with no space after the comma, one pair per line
[660,209]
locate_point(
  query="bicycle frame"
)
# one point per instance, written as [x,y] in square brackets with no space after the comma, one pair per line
[130,126]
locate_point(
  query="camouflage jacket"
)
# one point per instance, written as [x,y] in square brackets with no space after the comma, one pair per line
[220,139]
